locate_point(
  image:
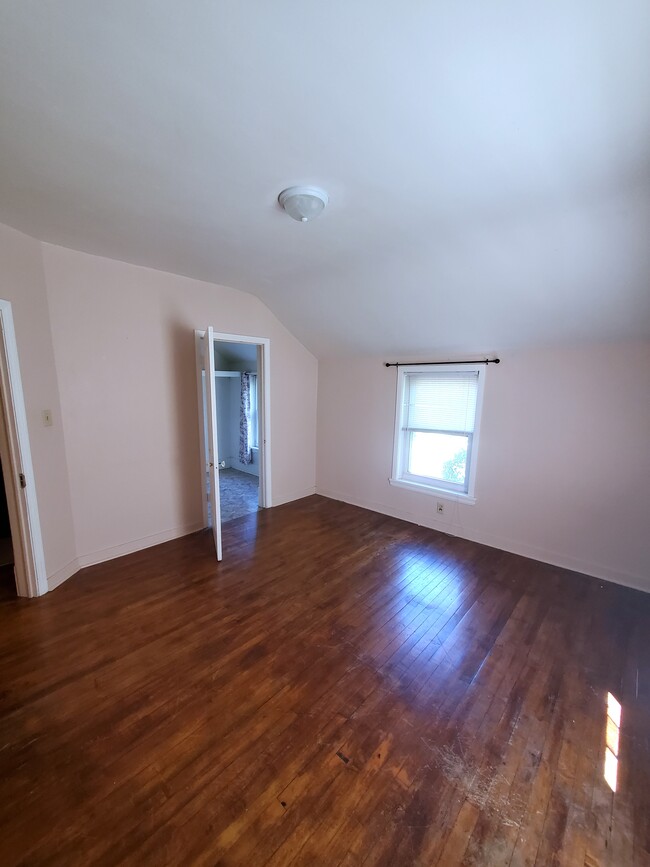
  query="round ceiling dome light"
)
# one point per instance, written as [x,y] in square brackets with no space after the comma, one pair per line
[303,203]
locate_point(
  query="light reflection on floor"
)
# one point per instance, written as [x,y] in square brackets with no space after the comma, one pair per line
[427,580]
[612,738]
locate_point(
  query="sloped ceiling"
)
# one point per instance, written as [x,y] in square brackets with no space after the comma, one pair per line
[488,164]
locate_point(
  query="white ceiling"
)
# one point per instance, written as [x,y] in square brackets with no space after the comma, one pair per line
[488,164]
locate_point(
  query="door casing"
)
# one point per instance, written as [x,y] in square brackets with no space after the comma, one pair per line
[15,453]
[264,409]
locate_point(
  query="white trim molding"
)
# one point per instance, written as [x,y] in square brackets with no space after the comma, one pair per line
[136,545]
[31,578]
[543,555]
[281,499]
[116,551]
[57,578]
[441,493]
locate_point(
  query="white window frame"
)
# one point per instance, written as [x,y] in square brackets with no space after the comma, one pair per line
[400,477]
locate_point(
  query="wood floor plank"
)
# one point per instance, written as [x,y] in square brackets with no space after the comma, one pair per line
[343,689]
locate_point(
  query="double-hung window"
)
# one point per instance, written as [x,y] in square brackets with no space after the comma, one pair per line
[436,428]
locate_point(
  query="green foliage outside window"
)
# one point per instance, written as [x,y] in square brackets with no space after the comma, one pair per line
[453,470]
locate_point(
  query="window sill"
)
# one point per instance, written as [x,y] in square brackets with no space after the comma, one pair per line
[441,493]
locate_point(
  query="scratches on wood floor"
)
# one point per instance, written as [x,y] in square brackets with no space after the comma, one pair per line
[344,689]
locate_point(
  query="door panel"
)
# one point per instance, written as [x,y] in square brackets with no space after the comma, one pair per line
[212,450]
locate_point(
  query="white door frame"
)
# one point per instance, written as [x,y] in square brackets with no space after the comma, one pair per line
[263,377]
[29,559]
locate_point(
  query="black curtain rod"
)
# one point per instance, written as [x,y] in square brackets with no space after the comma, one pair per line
[422,363]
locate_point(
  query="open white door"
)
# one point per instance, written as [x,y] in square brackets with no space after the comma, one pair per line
[261,430]
[212,451]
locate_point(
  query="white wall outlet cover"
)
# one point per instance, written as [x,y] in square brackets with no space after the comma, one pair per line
[47,418]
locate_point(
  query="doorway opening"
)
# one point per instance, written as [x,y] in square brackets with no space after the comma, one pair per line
[233,381]
[238,426]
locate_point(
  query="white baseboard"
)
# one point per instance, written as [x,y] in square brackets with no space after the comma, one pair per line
[62,574]
[298,495]
[593,570]
[137,545]
[111,553]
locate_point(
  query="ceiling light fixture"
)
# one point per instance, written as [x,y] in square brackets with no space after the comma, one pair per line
[303,203]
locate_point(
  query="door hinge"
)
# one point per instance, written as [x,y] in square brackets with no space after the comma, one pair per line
[23,480]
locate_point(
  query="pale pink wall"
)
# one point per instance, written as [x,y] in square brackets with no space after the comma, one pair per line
[558,479]
[124,346]
[564,458]
[22,283]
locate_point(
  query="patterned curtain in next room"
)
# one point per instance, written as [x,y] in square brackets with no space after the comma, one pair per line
[245,440]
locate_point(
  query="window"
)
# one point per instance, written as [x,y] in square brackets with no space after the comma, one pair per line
[436,428]
[253,434]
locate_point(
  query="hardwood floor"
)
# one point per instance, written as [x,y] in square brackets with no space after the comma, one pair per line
[343,689]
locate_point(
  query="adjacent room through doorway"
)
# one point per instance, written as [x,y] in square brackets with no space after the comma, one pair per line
[238,428]
[234,407]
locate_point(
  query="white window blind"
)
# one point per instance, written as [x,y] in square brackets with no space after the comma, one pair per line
[444,401]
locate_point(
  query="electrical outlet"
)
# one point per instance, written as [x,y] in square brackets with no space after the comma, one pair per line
[440,509]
